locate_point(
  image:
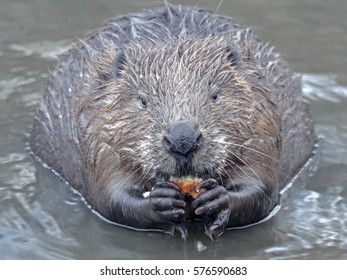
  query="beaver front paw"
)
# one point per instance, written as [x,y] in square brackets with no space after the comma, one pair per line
[167,202]
[214,205]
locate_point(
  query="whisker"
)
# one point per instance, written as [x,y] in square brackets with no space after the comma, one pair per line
[256,151]
[231,164]
[219,5]
[224,171]
[245,147]
[245,163]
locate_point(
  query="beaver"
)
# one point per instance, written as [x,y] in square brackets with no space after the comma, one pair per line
[174,92]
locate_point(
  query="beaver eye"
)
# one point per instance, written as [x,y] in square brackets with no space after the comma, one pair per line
[143,101]
[215,96]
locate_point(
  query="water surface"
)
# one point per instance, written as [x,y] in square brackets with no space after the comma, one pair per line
[42,218]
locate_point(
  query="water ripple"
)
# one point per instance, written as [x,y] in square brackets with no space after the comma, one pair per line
[49,50]
[323,87]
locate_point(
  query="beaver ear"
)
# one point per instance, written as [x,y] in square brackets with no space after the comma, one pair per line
[233,56]
[106,70]
[118,64]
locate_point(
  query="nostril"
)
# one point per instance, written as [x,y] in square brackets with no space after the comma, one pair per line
[199,140]
[168,145]
[183,146]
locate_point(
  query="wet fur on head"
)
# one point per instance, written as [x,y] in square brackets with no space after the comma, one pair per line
[135,101]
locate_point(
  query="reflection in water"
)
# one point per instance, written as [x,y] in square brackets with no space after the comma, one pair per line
[41,217]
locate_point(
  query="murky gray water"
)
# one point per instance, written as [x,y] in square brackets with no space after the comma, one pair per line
[41,218]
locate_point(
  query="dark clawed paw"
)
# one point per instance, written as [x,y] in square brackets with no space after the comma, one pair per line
[167,202]
[213,200]
[214,205]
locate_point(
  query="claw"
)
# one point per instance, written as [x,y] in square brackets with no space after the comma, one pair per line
[183,231]
[214,231]
[213,235]
[200,210]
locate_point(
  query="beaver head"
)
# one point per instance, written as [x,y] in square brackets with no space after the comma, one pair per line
[197,107]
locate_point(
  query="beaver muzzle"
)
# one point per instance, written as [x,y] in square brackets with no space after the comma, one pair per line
[183,138]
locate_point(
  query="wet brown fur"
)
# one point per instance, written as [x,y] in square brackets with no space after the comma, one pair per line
[93,130]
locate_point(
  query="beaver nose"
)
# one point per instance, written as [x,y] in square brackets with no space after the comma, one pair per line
[183,138]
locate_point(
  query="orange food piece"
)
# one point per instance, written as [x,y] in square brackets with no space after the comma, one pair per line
[187,185]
